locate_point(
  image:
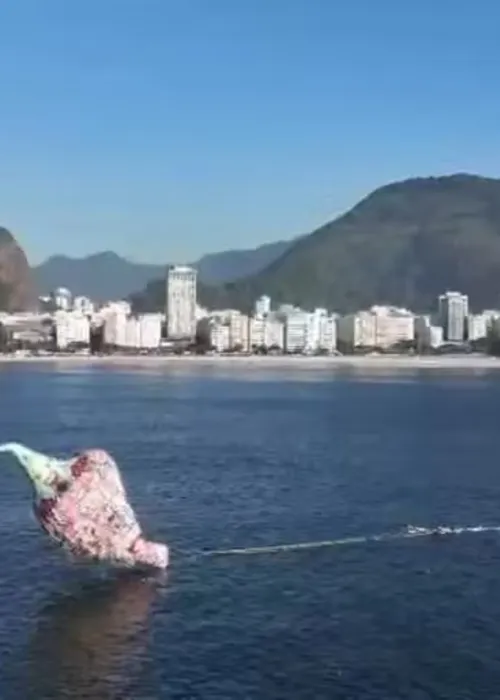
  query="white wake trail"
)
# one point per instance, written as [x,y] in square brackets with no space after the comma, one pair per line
[401,535]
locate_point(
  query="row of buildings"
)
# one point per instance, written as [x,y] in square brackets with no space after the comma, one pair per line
[288,330]
[284,329]
[294,330]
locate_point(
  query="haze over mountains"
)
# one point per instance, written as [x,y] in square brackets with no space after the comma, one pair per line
[107,275]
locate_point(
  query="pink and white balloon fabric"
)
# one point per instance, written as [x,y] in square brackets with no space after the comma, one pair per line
[82,504]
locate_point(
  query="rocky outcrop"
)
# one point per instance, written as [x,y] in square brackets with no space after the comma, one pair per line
[17,287]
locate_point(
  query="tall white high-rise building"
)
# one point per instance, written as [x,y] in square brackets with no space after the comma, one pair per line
[453,312]
[262,306]
[181,302]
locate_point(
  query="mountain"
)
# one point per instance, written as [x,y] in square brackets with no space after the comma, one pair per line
[101,276]
[218,268]
[403,244]
[17,288]
[109,276]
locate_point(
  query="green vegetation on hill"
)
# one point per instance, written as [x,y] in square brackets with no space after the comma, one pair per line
[403,244]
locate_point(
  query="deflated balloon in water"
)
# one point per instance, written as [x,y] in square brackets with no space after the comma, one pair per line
[81,503]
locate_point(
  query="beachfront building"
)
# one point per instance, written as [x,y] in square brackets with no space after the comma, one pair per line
[226,330]
[71,328]
[297,331]
[306,332]
[220,336]
[392,326]
[321,332]
[275,331]
[150,331]
[115,329]
[266,332]
[427,334]
[357,330]
[453,313]
[257,332]
[477,326]
[181,308]
[238,331]
[132,332]
[328,334]
[313,328]
[380,327]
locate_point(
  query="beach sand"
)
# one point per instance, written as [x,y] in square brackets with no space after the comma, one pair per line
[369,362]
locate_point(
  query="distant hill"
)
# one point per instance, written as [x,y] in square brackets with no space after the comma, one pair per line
[403,244]
[17,288]
[103,275]
[217,268]
[108,276]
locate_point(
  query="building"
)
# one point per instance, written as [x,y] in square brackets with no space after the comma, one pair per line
[477,326]
[134,332]
[27,329]
[115,329]
[262,306]
[201,312]
[238,331]
[321,332]
[257,333]
[393,326]
[491,316]
[181,308]
[453,312]
[327,337]
[227,330]
[427,334]
[274,337]
[83,305]
[357,330]
[296,331]
[266,332]
[114,307]
[150,331]
[220,336]
[215,330]
[380,327]
[62,299]
[71,329]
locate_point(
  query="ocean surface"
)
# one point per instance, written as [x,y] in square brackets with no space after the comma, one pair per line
[217,459]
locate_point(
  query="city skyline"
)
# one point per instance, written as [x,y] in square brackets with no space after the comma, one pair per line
[75,322]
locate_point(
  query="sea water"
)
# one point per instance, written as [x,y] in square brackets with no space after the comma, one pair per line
[221,459]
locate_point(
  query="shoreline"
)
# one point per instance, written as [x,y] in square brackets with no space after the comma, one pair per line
[266,361]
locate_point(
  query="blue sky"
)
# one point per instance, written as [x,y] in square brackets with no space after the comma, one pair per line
[164,129]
